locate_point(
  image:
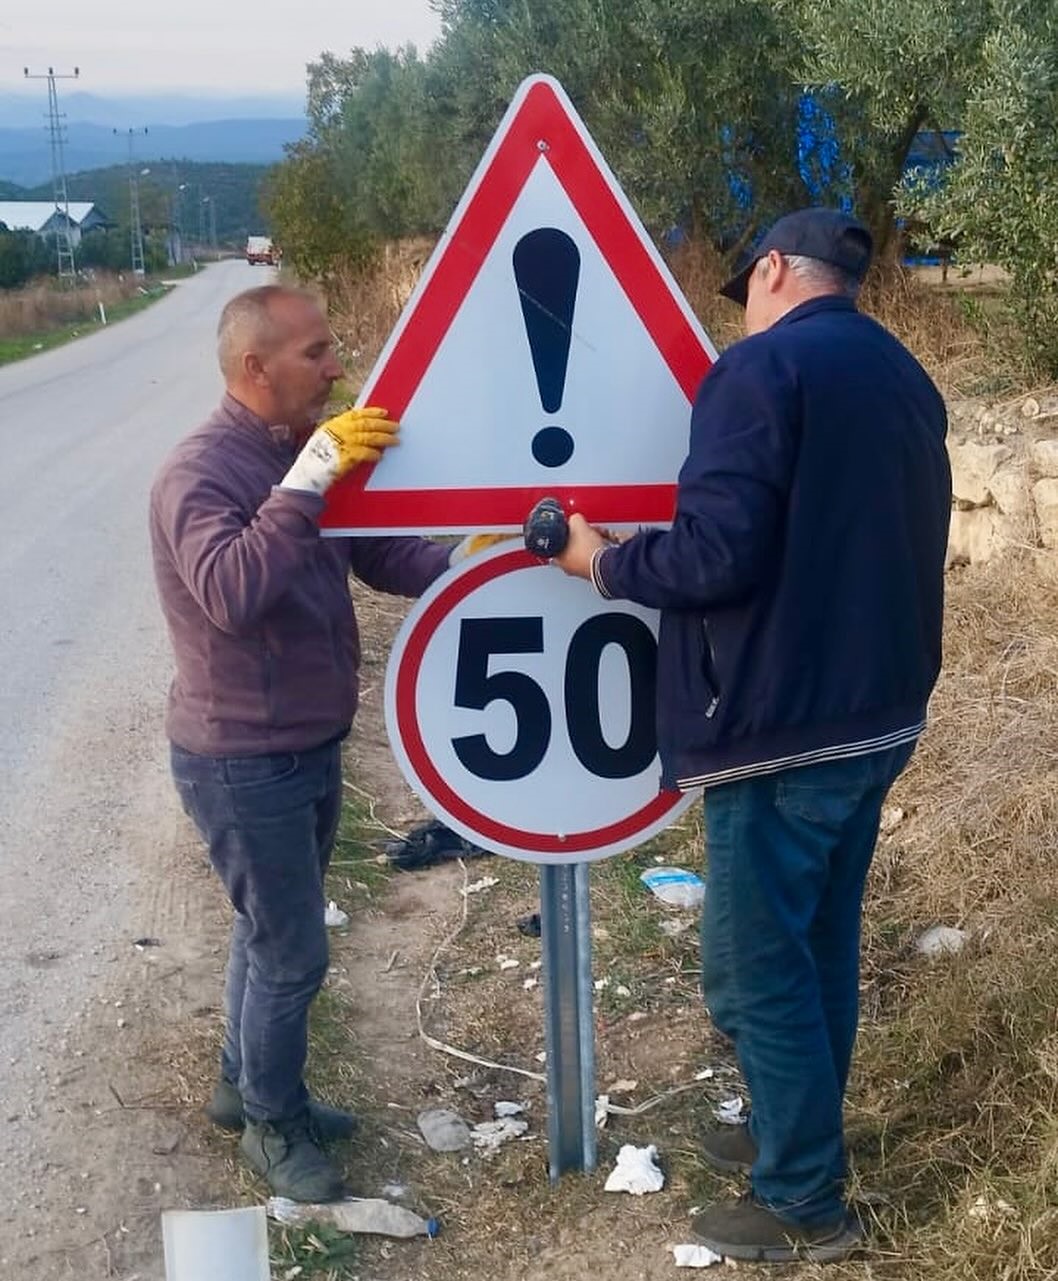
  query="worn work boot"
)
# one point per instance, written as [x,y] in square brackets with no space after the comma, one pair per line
[225,1110]
[287,1155]
[730,1149]
[745,1229]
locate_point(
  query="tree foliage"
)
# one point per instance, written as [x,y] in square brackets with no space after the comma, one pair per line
[23,255]
[715,114]
[1000,202]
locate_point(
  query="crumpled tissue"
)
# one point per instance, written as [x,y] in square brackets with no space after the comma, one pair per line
[635,1171]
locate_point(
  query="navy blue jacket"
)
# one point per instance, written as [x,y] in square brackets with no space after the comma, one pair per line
[801,583]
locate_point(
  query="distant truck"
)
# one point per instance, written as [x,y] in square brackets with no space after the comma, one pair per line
[259,249]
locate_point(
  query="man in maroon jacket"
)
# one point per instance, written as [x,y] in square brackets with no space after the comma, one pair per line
[267,653]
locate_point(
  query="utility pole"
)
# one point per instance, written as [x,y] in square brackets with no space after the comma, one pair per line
[135,226]
[176,213]
[56,134]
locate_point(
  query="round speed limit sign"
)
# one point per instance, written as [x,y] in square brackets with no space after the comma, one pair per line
[520,707]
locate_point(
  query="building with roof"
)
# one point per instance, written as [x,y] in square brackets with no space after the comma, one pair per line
[45,218]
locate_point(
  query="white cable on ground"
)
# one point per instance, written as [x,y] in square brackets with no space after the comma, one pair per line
[442,1047]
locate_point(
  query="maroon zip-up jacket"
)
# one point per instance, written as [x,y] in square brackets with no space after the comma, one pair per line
[257,603]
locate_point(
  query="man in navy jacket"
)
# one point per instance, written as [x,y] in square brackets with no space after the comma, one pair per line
[801,597]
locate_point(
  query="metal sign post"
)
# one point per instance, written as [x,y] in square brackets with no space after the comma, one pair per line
[569,1029]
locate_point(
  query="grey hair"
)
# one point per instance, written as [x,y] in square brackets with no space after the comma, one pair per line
[248,323]
[823,276]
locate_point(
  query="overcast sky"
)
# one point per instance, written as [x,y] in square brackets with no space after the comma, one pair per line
[124,46]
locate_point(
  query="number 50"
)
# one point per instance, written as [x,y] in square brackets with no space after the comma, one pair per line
[476,688]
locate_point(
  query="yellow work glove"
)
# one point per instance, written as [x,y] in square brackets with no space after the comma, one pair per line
[474,543]
[338,445]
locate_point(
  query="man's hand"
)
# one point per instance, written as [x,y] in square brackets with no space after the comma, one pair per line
[338,445]
[584,541]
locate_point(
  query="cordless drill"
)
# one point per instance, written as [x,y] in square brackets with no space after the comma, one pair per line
[546,529]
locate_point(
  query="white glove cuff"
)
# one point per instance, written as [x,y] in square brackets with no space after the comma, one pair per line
[316,467]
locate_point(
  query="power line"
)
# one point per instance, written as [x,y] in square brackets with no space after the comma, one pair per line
[64,244]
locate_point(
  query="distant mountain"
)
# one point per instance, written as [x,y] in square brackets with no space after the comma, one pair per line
[25,158]
[26,109]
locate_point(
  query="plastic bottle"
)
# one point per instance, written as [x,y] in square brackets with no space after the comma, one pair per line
[355,1214]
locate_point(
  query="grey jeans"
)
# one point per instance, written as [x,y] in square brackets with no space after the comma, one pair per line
[270,823]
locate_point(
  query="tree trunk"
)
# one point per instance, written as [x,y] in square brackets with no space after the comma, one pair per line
[879,205]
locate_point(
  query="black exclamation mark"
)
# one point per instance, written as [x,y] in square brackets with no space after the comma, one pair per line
[546,268]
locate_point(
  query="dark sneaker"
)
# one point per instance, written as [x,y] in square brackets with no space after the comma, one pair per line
[745,1229]
[730,1149]
[225,1110]
[287,1155]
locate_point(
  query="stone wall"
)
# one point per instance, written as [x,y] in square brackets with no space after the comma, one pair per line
[1004,461]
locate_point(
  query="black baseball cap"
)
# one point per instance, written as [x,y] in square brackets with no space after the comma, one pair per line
[826,234]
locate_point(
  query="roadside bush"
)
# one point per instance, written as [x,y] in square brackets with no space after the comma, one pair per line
[23,255]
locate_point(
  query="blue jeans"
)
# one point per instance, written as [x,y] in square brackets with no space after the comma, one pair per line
[270,824]
[788,855]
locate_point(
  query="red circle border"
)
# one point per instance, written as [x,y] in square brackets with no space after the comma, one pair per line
[407,726]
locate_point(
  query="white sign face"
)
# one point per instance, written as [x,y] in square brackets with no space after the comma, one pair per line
[520,707]
[626,416]
[546,350]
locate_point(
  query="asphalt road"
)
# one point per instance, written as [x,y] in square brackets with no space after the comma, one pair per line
[84,665]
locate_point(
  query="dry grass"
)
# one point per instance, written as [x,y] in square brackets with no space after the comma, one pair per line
[365,304]
[47,305]
[958,1070]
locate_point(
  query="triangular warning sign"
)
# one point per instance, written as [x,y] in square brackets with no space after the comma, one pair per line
[546,350]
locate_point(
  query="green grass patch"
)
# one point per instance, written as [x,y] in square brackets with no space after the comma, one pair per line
[318,1251]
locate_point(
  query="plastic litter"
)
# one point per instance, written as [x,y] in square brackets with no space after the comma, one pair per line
[983,1208]
[505,1108]
[489,1136]
[729,1111]
[529,925]
[941,940]
[892,817]
[675,885]
[443,1130]
[195,1239]
[695,1256]
[506,962]
[485,883]
[602,1111]
[334,916]
[355,1214]
[636,1171]
[673,926]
